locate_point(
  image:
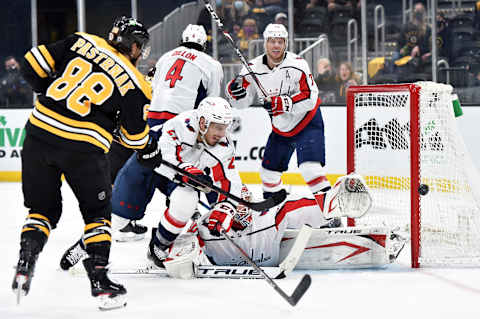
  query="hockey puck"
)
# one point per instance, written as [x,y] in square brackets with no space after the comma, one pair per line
[423,189]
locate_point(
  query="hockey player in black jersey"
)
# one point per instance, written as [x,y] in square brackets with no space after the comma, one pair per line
[82,83]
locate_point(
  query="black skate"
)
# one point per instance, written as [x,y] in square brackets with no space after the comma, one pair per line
[155,253]
[109,294]
[131,232]
[73,255]
[24,273]
[333,223]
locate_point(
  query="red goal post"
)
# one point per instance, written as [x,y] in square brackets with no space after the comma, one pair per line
[404,136]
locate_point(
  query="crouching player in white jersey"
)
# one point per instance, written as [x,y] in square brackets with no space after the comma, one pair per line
[198,142]
[267,236]
[294,107]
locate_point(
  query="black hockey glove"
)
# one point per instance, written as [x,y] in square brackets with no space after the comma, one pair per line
[236,90]
[150,156]
[199,174]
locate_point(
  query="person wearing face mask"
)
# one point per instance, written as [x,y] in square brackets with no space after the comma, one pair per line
[414,37]
[14,90]
[247,33]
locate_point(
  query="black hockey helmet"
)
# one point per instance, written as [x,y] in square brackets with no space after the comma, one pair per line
[125,32]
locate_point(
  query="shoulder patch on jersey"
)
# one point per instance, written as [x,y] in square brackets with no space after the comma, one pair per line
[190,127]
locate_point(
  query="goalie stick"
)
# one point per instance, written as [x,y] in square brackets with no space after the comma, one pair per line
[299,291]
[273,201]
[244,61]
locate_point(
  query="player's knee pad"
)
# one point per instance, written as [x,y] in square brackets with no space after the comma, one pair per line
[36,228]
[183,201]
[271,180]
[97,237]
[314,175]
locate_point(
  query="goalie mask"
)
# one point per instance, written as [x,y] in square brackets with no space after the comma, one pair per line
[243,216]
[127,31]
[214,110]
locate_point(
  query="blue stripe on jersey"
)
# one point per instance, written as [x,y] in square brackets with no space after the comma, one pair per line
[201,94]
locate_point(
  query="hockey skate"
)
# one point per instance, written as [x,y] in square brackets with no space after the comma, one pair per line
[110,295]
[24,273]
[131,232]
[73,255]
[156,253]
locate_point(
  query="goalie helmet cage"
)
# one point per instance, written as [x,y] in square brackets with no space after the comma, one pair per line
[400,137]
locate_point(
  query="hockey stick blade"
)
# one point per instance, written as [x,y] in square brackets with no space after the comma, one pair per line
[300,290]
[273,201]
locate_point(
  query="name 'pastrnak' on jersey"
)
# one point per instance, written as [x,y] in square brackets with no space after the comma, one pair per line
[84,84]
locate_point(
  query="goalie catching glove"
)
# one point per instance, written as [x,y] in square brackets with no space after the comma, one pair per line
[276,105]
[221,217]
[150,156]
[236,90]
[199,174]
[349,197]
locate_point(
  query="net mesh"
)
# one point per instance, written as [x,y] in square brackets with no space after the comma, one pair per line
[450,211]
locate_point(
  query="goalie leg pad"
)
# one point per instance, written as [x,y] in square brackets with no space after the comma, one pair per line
[184,257]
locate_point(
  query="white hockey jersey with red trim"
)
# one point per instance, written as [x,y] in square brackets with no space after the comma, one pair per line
[292,77]
[261,240]
[178,144]
[182,77]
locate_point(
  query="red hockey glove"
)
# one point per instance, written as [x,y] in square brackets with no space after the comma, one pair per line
[221,216]
[277,105]
[199,174]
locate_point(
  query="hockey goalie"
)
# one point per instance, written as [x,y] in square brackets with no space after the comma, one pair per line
[268,236]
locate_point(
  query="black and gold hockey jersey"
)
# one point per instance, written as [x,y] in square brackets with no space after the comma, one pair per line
[84,86]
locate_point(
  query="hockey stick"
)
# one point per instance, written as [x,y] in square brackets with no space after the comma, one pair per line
[273,201]
[221,272]
[293,256]
[219,23]
[299,291]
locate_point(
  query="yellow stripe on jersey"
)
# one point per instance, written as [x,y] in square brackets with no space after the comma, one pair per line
[35,66]
[132,71]
[39,216]
[70,129]
[47,56]
[98,238]
[134,140]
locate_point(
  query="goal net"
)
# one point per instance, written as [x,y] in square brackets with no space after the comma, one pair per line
[405,137]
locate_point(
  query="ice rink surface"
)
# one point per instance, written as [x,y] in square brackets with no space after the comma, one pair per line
[396,291]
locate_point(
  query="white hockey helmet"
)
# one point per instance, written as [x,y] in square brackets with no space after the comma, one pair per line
[195,34]
[275,30]
[214,110]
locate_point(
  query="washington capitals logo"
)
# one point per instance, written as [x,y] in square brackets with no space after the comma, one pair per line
[190,128]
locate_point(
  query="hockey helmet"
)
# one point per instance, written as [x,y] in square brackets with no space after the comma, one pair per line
[125,32]
[214,110]
[243,216]
[194,34]
[275,30]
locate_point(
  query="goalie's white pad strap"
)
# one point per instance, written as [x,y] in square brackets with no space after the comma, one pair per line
[184,257]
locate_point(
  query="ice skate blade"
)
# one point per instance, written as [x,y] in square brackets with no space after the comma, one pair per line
[19,292]
[123,238]
[106,302]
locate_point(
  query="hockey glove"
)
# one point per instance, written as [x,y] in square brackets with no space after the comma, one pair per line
[199,174]
[236,90]
[150,156]
[221,216]
[276,105]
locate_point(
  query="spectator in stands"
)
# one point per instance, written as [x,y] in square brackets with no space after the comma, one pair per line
[315,3]
[281,18]
[414,36]
[247,33]
[14,90]
[259,13]
[334,5]
[345,78]
[326,81]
